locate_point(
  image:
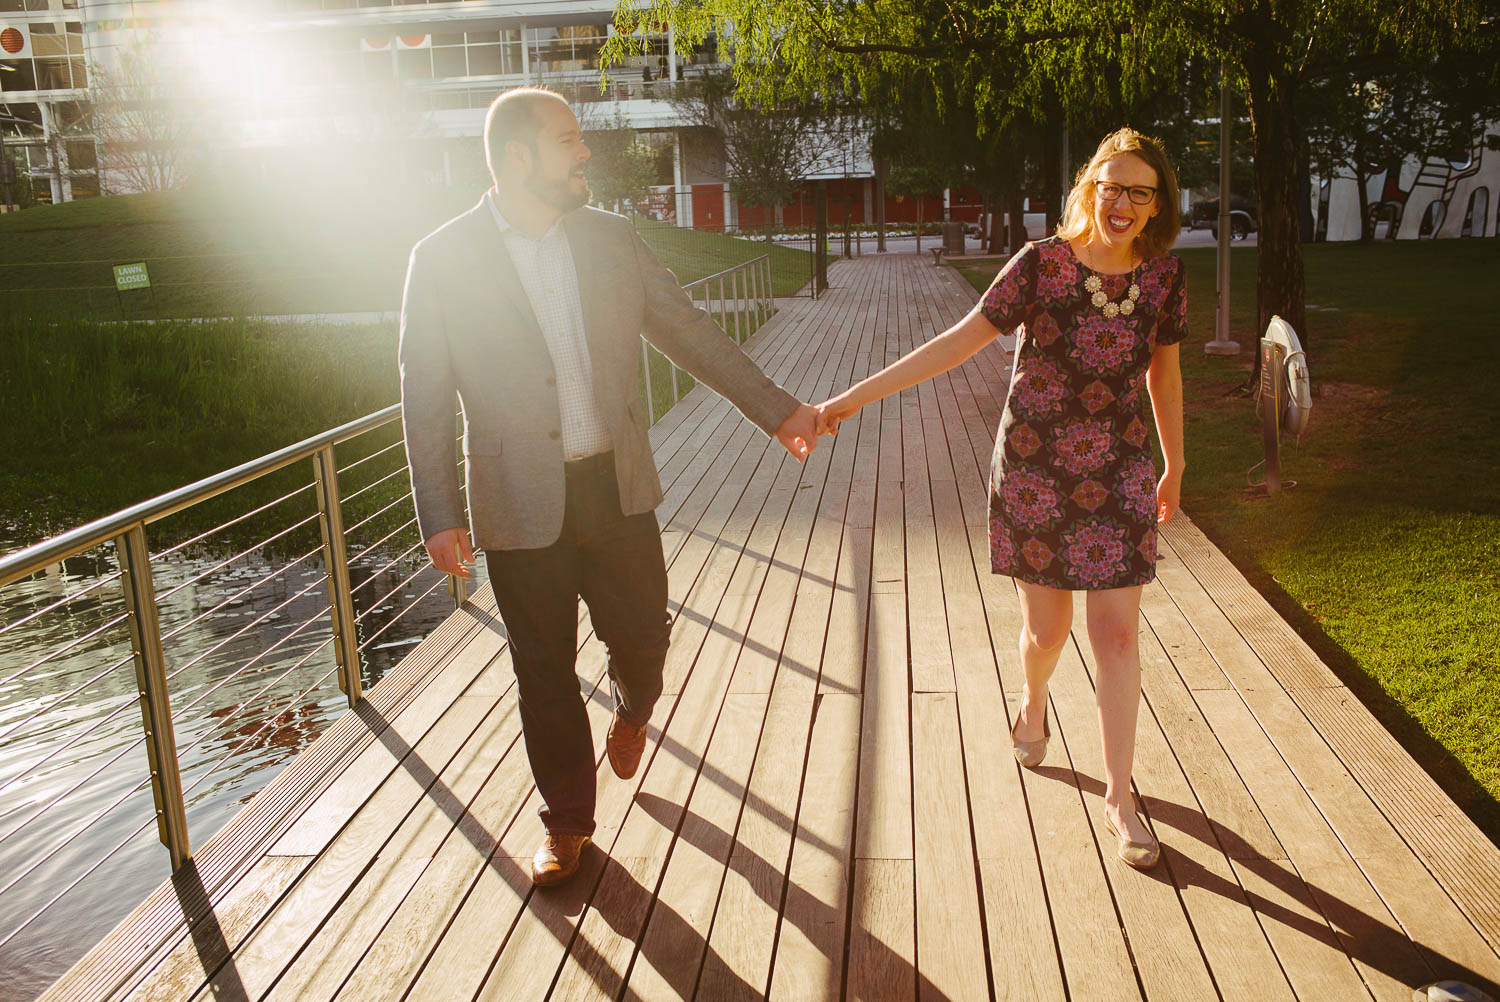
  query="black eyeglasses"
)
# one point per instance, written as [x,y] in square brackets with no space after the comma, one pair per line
[1140,194]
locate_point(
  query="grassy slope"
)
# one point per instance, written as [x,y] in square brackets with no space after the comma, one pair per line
[261,252]
[1386,555]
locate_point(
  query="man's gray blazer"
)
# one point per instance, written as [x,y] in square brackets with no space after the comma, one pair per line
[468,335]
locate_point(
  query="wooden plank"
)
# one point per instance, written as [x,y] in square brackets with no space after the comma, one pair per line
[1095,960]
[676,936]
[1017,920]
[809,961]
[1189,657]
[1310,952]
[412,932]
[1362,827]
[882,944]
[1168,960]
[950,939]
[323,962]
[429,724]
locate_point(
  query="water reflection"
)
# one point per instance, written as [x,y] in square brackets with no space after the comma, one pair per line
[251,685]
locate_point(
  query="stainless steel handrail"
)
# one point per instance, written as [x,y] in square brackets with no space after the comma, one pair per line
[754,273]
[26,562]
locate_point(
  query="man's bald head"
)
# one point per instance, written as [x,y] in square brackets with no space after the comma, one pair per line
[514,116]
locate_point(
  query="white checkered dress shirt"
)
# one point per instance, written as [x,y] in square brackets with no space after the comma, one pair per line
[545,267]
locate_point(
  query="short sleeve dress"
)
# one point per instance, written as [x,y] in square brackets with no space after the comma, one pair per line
[1073,477]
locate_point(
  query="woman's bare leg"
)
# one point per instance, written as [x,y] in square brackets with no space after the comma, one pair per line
[1113,622]
[1046,619]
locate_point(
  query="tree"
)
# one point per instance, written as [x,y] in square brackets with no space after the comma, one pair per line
[148,136]
[621,167]
[768,152]
[1092,59]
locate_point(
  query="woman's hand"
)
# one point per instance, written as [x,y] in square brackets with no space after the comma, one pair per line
[833,411]
[1168,496]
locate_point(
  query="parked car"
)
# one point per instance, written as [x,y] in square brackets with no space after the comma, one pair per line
[1244,216]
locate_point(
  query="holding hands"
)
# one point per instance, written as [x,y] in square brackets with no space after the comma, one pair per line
[834,411]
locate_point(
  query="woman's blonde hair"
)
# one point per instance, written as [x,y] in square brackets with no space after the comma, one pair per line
[1162,229]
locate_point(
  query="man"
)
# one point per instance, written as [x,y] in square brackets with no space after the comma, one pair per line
[528,309]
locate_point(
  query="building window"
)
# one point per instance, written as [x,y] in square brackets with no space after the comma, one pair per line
[17,74]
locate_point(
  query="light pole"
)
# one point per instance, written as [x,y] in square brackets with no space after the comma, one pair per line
[1221,344]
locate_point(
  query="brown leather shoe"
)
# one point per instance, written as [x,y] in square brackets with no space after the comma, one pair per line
[624,746]
[557,860]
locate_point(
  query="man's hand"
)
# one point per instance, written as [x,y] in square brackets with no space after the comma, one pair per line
[798,434]
[449,550]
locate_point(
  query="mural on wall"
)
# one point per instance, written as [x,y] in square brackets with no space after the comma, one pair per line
[1423,207]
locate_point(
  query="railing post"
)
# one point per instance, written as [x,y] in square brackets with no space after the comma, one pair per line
[151,684]
[650,396]
[755,292]
[676,393]
[768,289]
[336,561]
[739,320]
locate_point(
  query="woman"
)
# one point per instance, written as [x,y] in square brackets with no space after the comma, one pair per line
[1074,494]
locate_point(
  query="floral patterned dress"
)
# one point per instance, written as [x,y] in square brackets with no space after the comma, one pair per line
[1073,477]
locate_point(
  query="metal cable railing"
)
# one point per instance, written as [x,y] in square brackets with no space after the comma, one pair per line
[58,652]
[377,483]
[233,522]
[65,600]
[399,443]
[236,597]
[257,621]
[739,299]
[248,551]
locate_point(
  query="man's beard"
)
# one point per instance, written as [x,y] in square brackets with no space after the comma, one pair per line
[559,194]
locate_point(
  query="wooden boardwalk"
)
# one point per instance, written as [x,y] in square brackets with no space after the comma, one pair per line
[829,808]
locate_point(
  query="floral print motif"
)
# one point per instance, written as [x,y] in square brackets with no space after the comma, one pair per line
[1056,272]
[1002,545]
[1137,485]
[1104,345]
[1025,439]
[1090,495]
[1037,553]
[1039,390]
[1094,552]
[1083,445]
[1030,498]
[1096,396]
[1073,481]
[1045,330]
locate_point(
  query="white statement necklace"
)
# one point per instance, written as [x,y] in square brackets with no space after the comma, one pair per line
[1095,285]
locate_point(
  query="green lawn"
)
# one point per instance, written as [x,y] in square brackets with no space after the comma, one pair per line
[259,251]
[1386,554]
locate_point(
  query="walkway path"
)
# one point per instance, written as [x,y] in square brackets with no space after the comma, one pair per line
[830,808]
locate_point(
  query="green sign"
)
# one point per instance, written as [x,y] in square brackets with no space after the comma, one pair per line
[131,276]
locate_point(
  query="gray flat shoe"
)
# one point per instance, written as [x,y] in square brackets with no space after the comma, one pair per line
[1030,753]
[1141,855]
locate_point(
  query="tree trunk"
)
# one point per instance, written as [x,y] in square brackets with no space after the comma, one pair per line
[1016,207]
[1052,174]
[1279,286]
[1366,224]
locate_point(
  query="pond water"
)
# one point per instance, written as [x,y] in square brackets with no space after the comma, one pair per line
[78,844]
